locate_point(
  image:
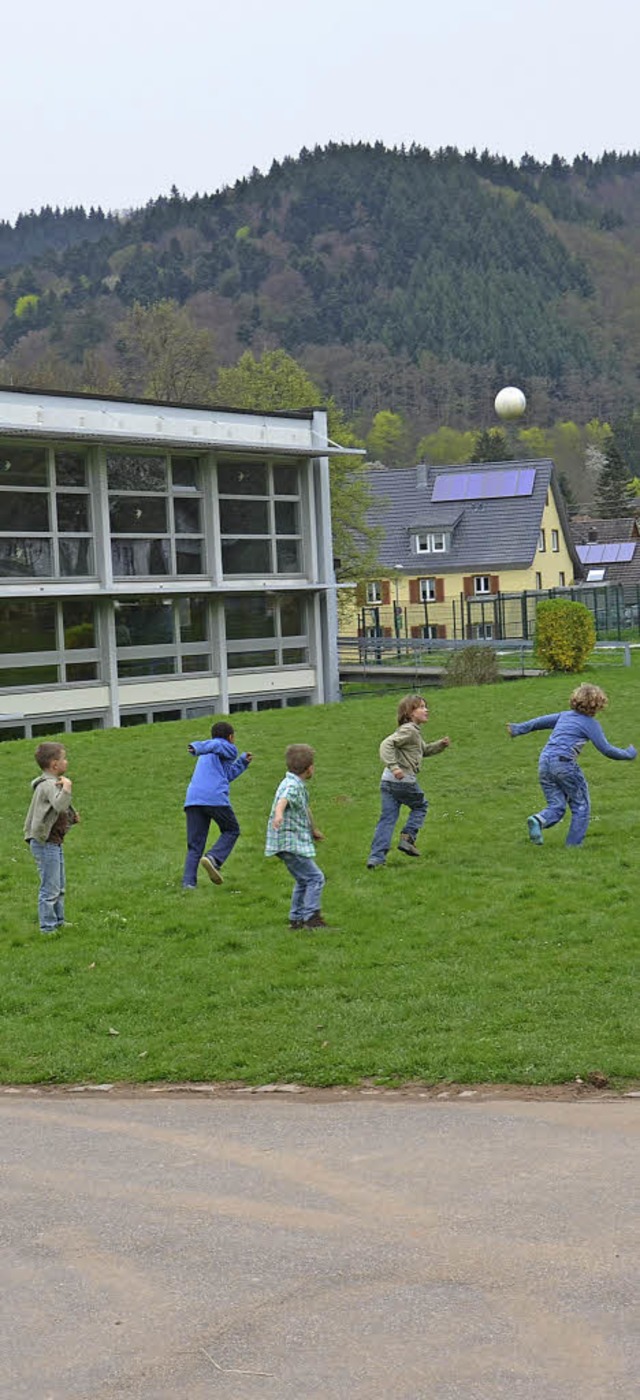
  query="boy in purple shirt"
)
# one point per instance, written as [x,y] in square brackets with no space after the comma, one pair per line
[561,778]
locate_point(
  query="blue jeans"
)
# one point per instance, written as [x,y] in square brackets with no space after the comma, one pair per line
[564,785]
[199,820]
[394,796]
[50,862]
[308,887]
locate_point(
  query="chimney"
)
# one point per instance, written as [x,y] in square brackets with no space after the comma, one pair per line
[421,474]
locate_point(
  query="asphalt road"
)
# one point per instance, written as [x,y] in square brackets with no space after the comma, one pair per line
[272,1249]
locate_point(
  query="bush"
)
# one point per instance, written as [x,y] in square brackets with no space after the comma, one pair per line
[473,666]
[565,634]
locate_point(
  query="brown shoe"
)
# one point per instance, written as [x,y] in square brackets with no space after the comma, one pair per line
[316,921]
[296,923]
[212,870]
[408,845]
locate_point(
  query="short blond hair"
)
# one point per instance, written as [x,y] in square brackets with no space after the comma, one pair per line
[299,757]
[588,699]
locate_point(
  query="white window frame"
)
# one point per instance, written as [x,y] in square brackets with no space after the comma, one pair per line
[538,583]
[596,575]
[483,631]
[555,541]
[374,593]
[542,542]
[479,582]
[431,542]
[427,590]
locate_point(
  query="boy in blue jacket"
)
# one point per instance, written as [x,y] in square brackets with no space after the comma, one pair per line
[561,778]
[207,801]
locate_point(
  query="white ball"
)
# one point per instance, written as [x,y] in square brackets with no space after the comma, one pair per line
[510,403]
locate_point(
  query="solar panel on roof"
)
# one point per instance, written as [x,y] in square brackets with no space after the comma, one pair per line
[484,486]
[617,552]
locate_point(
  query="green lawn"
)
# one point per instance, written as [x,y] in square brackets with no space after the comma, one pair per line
[487,960]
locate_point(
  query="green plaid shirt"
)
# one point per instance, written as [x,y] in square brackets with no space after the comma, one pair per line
[295,833]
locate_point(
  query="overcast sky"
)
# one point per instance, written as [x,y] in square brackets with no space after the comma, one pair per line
[111,103]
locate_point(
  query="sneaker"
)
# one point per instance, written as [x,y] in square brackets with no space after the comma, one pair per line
[315,921]
[375,864]
[211,869]
[296,923]
[408,845]
[535,830]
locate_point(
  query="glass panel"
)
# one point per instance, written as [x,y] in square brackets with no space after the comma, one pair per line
[143,622]
[91,722]
[163,666]
[15,731]
[269,704]
[288,556]
[286,481]
[79,625]
[286,518]
[252,660]
[73,513]
[193,616]
[234,708]
[163,716]
[137,473]
[26,558]
[292,700]
[242,480]
[132,515]
[248,616]
[186,516]
[196,663]
[71,469]
[76,557]
[246,557]
[292,615]
[126,721]
[27,625]
[294,656]
[49,726]
[184,471]
[244,518]
[87,671]
[23,466]
[189,557]
[24,510]
[140,558]
[13,676]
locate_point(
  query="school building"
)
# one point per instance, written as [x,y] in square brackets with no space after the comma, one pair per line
[160,561]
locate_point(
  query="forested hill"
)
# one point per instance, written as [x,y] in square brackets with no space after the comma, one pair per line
[402,279]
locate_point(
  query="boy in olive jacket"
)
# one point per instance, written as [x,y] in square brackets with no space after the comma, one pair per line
[46,824]
[402,753]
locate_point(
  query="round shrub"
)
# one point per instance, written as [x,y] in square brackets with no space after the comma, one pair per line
[565,634]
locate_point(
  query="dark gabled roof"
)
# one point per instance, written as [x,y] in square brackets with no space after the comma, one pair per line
[624,529]
[486,534]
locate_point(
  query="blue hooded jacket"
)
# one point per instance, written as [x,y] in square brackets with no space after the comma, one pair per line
[217,766]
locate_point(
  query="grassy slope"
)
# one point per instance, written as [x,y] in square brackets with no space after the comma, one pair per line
[488,959]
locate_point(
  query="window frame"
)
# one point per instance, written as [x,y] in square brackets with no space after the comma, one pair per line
[173,491]
[52,489]
[273,536]
[479,591]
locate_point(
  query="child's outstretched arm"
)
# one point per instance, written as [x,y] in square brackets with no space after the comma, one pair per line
[239,766]
[601,743]
[528,725]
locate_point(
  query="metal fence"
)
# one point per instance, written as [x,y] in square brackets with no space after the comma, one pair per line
[502,617]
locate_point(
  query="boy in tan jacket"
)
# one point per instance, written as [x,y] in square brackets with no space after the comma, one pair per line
[402,753]
[46,824]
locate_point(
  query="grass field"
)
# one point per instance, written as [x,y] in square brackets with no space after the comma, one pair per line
[487,960]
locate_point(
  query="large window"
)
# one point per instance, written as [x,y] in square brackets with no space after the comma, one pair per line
[259,507]
[263,630]
[155,516]
[163,636]
[45,514]
[44,642]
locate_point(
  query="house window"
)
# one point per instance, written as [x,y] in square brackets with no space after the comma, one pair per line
[46,642]
[374,592]
[431,542]
[155,516]
[596,575]
[46,529]
[427,588]
[482,583]
[430,632]
[539,582]
[555,541]
[162,636]
[561,579]
[259,506]
[542,542]
[483,631]
[266,631]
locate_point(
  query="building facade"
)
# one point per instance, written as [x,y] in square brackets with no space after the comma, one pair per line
[455,542]
[160,562]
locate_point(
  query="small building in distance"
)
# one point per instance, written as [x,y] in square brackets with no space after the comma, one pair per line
[457,543]
[160,561]
[609,550]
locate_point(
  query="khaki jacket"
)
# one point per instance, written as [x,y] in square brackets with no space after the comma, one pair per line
[48,801]
[405,749]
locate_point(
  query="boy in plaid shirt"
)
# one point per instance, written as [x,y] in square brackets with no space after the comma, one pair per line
[291,833]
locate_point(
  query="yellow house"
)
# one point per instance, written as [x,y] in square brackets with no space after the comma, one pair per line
[464,550]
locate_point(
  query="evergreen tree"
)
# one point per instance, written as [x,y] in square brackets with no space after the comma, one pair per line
[492,445]
[613,496]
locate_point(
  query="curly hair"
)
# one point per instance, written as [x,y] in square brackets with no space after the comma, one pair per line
[588,699]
